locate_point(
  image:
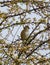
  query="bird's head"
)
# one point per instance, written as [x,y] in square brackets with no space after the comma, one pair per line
[26,28]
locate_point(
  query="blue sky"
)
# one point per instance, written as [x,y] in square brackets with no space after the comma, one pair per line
[10,37]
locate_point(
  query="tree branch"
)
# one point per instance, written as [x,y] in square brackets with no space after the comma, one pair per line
[36,35]
[43,42]
[14,24]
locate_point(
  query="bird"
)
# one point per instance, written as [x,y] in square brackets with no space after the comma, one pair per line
[25,33]
[48,26]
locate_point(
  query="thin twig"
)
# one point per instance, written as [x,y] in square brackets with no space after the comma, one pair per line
[37,47]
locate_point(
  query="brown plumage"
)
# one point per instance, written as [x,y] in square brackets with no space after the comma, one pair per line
[48,25]
[25,33]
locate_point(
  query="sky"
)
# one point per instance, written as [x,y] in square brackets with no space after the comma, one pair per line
[10,37]
[5,9]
